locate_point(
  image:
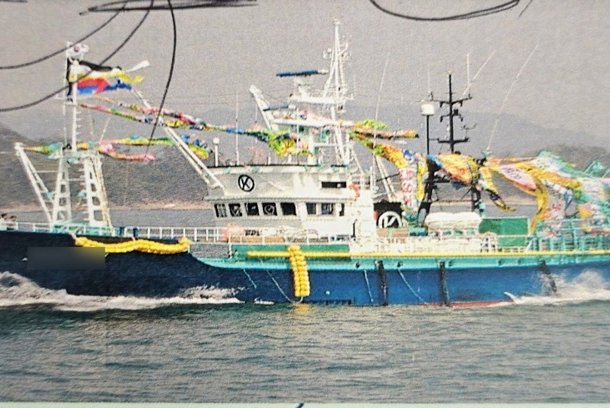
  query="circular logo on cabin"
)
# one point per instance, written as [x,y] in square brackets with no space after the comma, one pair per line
[245,183]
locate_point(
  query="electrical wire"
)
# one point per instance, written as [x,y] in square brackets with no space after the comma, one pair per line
[54,53]
[63,88]
[183,4]
[495,126]
[472,14]
[170,75]
[525,8]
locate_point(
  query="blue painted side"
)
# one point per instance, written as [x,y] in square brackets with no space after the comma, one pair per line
[355,281]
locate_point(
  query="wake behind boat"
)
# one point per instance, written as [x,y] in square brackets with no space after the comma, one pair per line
[303,228]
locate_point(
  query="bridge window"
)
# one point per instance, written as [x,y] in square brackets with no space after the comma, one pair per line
[334,184]
[235,209]
[288,209]
[269,209]
[311,208]
[252,209]
[324,209]
[221,210]
[327,209]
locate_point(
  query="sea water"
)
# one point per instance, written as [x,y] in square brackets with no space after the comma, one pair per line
[205,346]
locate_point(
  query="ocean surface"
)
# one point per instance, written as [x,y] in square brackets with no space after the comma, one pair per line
[207,347]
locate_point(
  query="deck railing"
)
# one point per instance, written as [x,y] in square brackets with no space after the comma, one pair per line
[570,235]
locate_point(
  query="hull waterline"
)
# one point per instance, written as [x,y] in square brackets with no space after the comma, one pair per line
[355,280]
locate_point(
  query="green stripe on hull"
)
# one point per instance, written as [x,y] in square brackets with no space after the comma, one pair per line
[414,262]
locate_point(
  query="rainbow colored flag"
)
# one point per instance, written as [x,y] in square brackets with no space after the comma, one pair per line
[96,82]
[94,86]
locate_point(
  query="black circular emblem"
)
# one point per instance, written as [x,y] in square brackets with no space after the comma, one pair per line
[246,183]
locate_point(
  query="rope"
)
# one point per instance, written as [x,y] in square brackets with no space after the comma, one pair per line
[277,285]
[411,288]
[368,286]
[250,279]
[493,130]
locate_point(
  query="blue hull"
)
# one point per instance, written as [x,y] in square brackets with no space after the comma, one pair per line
[367,281]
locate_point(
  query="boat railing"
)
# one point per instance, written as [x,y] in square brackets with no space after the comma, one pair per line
[195,234]
[494,243]
[76,229]
[231,235]
[571,236]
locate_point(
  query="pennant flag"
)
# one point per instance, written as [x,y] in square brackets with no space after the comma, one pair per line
[94,86]
[93,79]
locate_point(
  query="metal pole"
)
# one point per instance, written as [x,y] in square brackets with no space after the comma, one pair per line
[451,139]
[427,135]
[215,141]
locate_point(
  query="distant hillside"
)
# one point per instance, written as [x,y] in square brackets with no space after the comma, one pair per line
[168,179]
[14,185]
[581,156]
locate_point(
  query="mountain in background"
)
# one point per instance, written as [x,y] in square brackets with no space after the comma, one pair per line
[169,179]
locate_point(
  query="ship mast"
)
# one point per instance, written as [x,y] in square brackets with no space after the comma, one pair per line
[453,113]
[433,179]
[58,205]
[316,110]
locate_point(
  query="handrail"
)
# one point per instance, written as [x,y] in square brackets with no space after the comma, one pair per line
[575,239]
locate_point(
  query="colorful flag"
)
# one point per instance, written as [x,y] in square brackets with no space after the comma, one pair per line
[93,79]
[94,86]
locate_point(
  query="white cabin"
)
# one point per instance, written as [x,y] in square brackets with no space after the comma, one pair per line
[323,200]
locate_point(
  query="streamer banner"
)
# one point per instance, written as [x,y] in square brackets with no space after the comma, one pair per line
[515,175]
[282,142]
[557,184]
[459,168]
[408,182]
[554,183]
[109,148]
[422,176]
[487,184]
[372,128]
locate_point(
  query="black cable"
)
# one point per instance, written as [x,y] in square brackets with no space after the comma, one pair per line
[525,8]
[170,75]
[63,88]
[472,14]
[54,53]
[183,5]
[131,34]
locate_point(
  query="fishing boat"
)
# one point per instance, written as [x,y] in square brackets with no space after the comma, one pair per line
[302,228]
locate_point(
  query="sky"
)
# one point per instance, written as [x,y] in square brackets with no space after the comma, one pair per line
[542,68]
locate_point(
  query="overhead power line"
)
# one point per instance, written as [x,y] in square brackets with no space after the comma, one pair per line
[464,16]
[170,75]
[57,52]
[179,5]
[63,88]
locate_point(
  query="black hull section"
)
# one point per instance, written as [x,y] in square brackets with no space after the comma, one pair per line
[132,273]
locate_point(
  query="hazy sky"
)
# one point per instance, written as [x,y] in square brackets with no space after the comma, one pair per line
[221,52]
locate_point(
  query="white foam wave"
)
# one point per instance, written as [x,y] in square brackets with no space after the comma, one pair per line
[587,287]
[16,290]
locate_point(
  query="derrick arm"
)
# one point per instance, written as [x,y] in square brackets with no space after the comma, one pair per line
[196,163]
[263,107]
[41,190]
